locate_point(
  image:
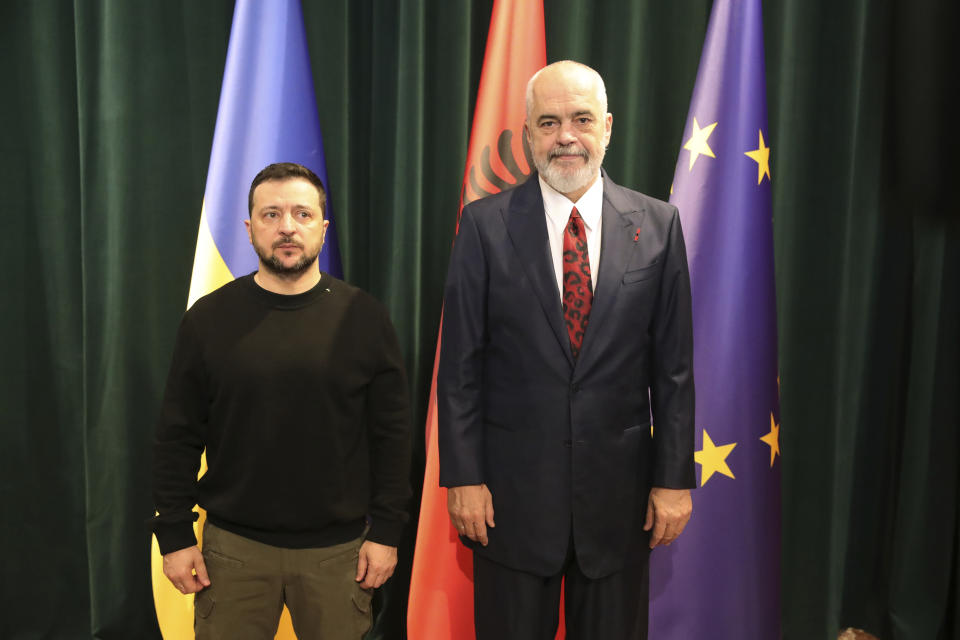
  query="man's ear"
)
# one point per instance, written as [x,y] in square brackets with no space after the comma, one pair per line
[246,224]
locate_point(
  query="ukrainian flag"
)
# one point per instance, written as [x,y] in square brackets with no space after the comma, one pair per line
[267,114]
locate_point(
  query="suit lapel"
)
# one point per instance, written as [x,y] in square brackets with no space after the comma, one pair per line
[527,227]
[620,221]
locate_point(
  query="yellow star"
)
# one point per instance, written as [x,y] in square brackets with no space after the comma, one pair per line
[697,144]
[713,459]
[760,155]
[773,439]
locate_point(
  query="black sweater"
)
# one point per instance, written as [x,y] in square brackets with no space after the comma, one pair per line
[301,403]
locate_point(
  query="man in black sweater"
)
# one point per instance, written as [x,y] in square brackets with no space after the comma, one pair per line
[293,382]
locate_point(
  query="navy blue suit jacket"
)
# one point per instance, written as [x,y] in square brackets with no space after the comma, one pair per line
[559,442]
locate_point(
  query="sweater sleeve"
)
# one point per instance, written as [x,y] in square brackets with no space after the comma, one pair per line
[179,443]
[389,435]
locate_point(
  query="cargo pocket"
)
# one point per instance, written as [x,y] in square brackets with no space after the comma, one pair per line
[364,614]
[362,598]
[203,604]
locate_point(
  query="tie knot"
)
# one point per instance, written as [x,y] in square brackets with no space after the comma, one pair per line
[575,221]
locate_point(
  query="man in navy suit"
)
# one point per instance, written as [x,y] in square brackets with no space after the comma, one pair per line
[567,325]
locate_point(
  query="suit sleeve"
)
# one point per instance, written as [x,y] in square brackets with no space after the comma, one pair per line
[179,444]
[671,388]
[460,372]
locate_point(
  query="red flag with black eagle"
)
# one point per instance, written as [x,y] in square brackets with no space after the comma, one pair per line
[441,584]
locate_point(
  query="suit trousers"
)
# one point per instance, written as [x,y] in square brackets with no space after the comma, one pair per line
[515,605]
[251,581]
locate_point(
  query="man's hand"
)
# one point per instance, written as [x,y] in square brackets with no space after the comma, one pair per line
[179,567]
[668,511]
[376,564]
[471,511]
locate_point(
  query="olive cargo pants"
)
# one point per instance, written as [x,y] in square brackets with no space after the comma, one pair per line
[251,581]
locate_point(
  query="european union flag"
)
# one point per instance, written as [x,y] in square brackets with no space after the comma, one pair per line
[720,579]
[267,113]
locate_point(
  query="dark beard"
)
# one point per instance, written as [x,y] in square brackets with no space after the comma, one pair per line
[273,264]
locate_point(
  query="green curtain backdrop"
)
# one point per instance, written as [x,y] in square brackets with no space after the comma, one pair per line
[107,118]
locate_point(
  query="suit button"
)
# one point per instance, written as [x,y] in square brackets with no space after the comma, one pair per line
[567,443]
[575,388]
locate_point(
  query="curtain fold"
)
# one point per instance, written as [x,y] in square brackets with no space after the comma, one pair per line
[108,117]
[867,282]
[42,477]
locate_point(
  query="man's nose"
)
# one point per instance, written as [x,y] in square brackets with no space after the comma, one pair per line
[566,134]
[287,224]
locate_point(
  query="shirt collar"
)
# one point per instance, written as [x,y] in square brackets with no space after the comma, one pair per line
[557,206]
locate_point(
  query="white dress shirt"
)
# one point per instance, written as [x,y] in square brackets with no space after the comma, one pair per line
[557,208]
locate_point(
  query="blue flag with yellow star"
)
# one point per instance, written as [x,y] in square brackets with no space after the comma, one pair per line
[720,579]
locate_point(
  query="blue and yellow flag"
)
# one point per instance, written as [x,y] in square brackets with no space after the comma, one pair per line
[720,580]
[267,114]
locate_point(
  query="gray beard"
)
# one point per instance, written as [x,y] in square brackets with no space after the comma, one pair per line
[568,182]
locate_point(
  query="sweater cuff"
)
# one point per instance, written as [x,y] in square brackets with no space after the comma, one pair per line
[174,536]
[386,532]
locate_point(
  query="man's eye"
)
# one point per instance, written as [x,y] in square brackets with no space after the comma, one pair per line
[304,214]
[583,120]
[270,214]
[547,124]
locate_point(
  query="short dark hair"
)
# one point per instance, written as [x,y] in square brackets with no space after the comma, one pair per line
[287,171]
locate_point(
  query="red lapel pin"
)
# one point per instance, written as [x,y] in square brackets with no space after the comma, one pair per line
[636,236]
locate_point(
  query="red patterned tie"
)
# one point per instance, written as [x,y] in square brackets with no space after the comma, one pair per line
[577,287]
